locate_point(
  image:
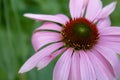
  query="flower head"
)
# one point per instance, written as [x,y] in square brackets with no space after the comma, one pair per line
[88,43]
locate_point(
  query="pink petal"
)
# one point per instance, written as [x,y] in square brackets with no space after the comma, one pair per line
[41,38]
[111,57]
[110,38]
[104,23]
[86,68]
[49,26]
[42,17]
[33,61]
[46,60]
[62,67]
[110,31]
[112,45]
[102,72]
[94,7]
[106,11]
[110,71]
[75,7]
[75,67]
[86,3]
[63,17]
[115,48]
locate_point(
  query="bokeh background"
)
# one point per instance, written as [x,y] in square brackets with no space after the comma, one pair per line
[16,31]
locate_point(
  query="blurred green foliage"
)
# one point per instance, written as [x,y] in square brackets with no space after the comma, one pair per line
[16,31]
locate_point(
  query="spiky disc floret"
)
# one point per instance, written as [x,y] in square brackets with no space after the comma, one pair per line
[80,34]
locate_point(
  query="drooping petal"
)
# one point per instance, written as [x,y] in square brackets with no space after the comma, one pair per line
[106,11]
[115,46]
[111,57]
[46,60]
[86,68]
[41,38]
[63,17]
[104,23]
[42,17]
[33,61]
[49,26]
[93,9]
[110,38]
[75,7]
[110,31]
[102,72]
[75,67]
[62,67]
[109,69]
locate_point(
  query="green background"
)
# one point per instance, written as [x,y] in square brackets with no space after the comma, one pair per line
[16,31]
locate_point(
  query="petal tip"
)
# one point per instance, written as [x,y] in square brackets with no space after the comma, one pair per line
[25,68]
[115,2]
[29,15]
[21,71]
[25,14]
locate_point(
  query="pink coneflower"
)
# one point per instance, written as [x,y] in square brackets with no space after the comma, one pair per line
[87,43]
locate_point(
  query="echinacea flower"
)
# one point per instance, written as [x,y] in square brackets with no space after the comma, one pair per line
[88,44]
